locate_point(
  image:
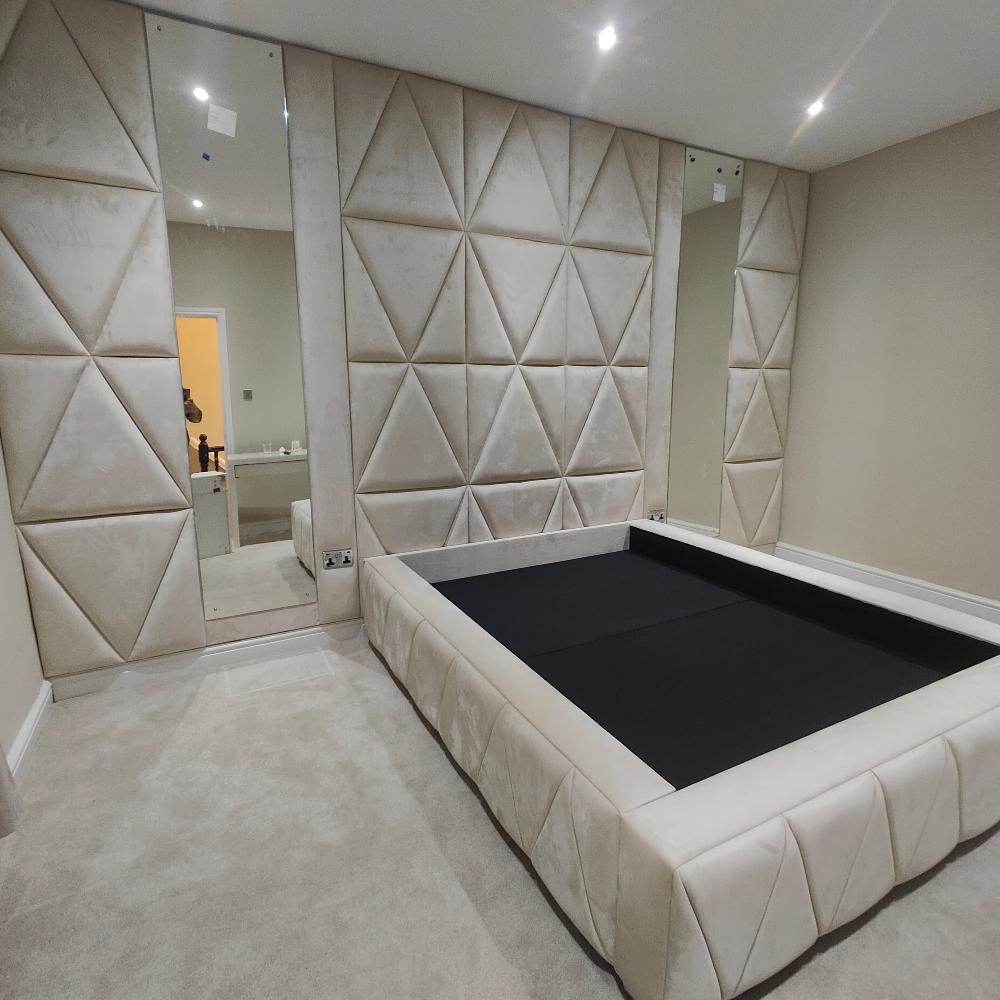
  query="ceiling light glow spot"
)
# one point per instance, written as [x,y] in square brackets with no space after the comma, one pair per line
[201,93]
[197,202]
[815,108]
[606,38]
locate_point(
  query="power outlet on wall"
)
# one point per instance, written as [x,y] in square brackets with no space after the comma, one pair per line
[658,515]
[338,558]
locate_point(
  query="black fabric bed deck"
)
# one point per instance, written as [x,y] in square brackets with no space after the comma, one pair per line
[697,662]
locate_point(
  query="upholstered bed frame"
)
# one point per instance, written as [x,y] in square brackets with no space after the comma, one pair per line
[702,892]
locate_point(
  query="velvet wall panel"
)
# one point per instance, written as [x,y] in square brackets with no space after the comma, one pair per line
[500,268]
[90,393]
[772,233]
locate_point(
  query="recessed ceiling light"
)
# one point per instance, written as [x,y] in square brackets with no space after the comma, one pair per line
[201,93]
[606,38]
[197,202]
[815,108]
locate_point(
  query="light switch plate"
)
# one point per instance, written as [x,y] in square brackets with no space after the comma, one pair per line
[338,558]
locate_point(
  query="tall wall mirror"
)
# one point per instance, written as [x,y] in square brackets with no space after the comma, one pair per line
[713,190]
[221,123]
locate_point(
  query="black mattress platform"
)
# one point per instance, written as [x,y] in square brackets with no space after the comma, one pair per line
[697,662]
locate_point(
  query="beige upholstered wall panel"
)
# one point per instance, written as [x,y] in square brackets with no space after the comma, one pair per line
[772,231]
[499,273]
[90,395]
[312,144]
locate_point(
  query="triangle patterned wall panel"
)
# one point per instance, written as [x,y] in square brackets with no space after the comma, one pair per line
[613,179]
[516,173]
[515,423]
[751,502]
[79,450]
[148,601]
[765,299]
[764,310]
[773,218]
[408,521]
[400,146]
[87,116]
[404,290]
[90,393]
[409,426]
[608,307]
[516,300]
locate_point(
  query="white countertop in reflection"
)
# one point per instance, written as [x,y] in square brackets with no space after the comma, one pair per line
[262,457]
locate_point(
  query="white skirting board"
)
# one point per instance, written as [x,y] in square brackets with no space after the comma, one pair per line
[211,658]
[702,529]
[946,597]
[20,749]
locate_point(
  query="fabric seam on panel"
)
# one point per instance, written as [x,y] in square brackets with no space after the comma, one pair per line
[55,431]
[97,361]
[489,175]
[64,590]
[159,583]
[933,802]
[579,858]
[631,173]
[104,93]
[20,256]
[437,159]
[815,795]
[345,198]
[590,190]
[854,863]
[786,831]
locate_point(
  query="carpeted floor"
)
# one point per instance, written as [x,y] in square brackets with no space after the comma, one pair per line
[290,829]
[255,578]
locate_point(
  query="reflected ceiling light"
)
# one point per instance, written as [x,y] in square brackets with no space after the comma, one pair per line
[197,202]
[606,38]
[201,93]
[815,108]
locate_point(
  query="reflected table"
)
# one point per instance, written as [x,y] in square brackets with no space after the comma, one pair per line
[251,465]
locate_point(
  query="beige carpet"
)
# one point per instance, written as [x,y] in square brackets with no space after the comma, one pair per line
[290,829]
[255,578]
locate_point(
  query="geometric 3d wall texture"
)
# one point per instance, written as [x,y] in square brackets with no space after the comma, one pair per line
[772,230]
[90,393]
[498,270]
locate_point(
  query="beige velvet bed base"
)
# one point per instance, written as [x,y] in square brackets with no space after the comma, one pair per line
[701,893]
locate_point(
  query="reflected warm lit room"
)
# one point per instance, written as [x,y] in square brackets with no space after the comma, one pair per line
[499,501]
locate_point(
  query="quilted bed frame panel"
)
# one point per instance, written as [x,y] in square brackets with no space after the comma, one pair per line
[550,804]
[90,394]
[702,893]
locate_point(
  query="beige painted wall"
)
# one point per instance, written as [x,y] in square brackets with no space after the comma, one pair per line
[251,274]
[20,671]
[894,426]
[701,359]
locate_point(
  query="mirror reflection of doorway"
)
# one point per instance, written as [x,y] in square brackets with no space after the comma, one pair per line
[244,503]
[229,228]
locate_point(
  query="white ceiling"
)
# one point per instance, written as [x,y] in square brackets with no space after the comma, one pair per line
[733,75]
[245,181]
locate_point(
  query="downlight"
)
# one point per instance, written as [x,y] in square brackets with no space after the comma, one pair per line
[606,38]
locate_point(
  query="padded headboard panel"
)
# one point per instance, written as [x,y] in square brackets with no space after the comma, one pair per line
[772,232]
[500,265]
[90,391]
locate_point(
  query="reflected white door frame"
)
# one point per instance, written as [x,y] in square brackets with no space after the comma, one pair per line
[219,315]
